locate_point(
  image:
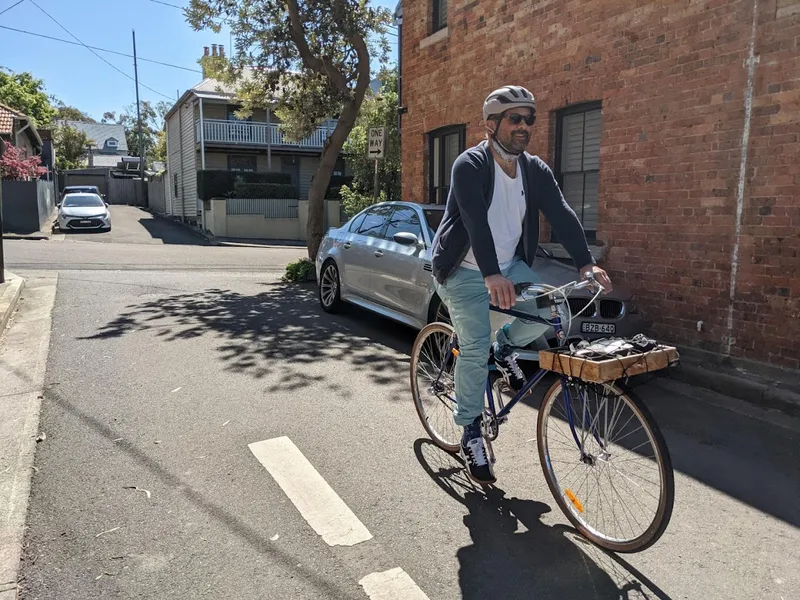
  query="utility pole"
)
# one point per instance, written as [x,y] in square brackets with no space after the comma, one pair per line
[138,115]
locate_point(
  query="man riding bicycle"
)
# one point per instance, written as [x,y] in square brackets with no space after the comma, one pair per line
[486,243]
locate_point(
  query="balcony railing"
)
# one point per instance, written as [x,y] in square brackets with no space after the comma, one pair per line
[258,134]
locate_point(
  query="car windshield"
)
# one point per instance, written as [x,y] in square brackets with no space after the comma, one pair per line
[83,201]
[433,218]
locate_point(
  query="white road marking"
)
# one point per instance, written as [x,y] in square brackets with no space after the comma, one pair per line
[324,510]
[394,584]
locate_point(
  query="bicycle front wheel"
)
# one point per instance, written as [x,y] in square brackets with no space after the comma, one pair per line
[606,464]
[433,365]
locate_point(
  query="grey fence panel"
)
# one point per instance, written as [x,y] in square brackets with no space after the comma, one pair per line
[269,208]
[20,207]
[46,200]
[157,195]
[125,191]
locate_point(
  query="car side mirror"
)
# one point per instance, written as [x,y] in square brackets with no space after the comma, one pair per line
[405,238]
[106,203]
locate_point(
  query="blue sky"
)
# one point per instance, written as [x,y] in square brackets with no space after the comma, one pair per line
[79,78]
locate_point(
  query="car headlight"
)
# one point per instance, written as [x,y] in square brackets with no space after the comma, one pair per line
[631,306]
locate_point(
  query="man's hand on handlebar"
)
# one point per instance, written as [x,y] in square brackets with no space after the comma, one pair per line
[599,275]
[501,291]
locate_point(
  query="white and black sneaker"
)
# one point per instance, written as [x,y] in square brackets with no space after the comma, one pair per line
[506,361]
[473,451]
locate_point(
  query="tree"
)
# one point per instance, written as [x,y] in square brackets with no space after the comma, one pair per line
[379,110]
[307,59]
[70,113]
[24,93]
[15,165]
[152,116]
[71,146]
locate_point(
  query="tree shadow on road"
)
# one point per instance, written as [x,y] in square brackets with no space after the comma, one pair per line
[280,331]
[515,555]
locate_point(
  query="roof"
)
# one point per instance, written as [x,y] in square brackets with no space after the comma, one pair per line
[7,116]
[98,133]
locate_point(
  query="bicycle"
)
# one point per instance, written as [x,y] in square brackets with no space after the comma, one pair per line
[583,426]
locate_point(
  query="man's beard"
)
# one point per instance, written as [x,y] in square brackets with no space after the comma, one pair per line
[517,142]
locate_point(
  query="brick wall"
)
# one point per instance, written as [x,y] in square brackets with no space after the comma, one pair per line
[673,80]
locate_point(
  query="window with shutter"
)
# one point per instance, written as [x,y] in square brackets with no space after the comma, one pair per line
[578,133]
[439,15]
[445,146]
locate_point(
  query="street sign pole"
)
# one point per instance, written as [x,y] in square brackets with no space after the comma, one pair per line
[376,150]
[375,188]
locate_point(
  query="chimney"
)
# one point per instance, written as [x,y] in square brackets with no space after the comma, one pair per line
[213,50]
[205,51]
[222,51]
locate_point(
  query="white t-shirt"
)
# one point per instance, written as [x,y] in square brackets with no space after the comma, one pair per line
[506,214]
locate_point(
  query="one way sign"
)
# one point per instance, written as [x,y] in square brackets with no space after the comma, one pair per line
[376,142]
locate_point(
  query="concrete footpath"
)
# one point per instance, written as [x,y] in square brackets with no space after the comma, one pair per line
[10,292]
[23,360]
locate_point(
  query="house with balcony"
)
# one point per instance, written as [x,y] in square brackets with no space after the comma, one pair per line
[205,133]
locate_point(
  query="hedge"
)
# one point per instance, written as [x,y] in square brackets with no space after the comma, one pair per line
[221,184]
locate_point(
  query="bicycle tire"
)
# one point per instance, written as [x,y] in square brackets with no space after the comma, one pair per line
[447,435]
[571,509]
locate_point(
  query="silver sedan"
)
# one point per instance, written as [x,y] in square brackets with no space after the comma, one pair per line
[381,260]
[83,211]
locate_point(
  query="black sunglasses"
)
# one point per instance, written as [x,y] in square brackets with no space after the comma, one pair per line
[516,119]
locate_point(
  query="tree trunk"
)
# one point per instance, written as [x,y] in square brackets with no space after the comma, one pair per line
[316,194]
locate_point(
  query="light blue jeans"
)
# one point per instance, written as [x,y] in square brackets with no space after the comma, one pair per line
[467,299]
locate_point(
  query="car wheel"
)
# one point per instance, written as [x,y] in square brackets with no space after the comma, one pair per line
[437,311]
[329,287]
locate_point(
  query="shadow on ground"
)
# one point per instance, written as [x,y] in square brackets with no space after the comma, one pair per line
[171,233]
[515,555]
[280,331]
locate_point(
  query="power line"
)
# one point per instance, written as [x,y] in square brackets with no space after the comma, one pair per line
[12,6]
[95,53]
[41,35]
[167,4]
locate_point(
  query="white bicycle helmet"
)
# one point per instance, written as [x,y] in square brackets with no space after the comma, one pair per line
[508,96]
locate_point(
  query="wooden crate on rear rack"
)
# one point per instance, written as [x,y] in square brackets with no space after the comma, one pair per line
[608,369]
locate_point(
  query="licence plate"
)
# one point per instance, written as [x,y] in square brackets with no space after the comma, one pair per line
[87,222]
[588,327]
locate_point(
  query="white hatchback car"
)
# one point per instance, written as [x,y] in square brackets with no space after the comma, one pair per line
[83,211]
[381,260]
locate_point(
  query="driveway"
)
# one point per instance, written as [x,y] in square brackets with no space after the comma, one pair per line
[132,225]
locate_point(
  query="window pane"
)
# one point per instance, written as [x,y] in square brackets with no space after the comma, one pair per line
[357,222]
[241,163]
[573,192]
[434,219]
[374,221]
[572,143]
[591,141]
[451,153]
[436,154]
[590,202]
[406,220]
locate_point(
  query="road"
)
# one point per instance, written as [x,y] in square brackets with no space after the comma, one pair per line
[170,362]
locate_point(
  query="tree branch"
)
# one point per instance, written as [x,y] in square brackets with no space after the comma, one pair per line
[321,66]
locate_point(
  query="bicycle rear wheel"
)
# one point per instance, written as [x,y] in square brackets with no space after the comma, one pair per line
[433,364]
[610,473]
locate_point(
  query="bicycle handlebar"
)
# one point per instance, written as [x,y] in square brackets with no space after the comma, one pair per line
[589,281]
